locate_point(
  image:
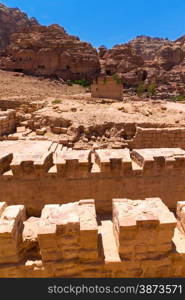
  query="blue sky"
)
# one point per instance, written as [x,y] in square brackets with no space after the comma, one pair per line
[109,22]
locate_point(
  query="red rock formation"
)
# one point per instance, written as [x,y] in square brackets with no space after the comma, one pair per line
[121,59]
[42,50]
[169,56]
[147,46]
[148,60]
[31,48]
[12,20]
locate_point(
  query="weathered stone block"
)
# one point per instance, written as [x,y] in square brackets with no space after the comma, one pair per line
[134,220]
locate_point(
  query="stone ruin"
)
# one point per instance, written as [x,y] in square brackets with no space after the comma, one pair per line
[35,173]
[32,126]
[72,213]
[7,122]
[107,87]
[47,229]
[102,197]
[141,239]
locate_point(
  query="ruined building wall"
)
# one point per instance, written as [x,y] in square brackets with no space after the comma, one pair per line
[48,230]
[158,138]
[141,240]
[120,135]
[107,87]
[38,173]
[7,122]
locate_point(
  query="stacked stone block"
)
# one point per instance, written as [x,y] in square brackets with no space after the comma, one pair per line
[88,231]
[11,227]
[67,241]
[144,230]
[59,235]
[158,138]
[73,164]
[181,215]
[7,122]
[107,87]
[114,162]
[159,161]
[28,159]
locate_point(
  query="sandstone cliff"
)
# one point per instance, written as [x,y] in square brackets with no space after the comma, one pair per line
[147,60]
[12,20]
[121,59]
[147,46]
[44,50]
[28,47]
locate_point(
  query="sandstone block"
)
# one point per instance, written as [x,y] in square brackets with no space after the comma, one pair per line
[11,228]
[134,220]
[41,131]
[114,161]
[73,164]
[88,230]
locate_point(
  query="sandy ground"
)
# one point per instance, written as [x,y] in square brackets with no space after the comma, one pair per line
[81,109]
[19,86]
[76,105]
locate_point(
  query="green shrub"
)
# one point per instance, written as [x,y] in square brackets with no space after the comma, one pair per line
[69,82]
[82,82]
[151,89]
[178,98]
[105,80]
[117,79]
[141,89]
[56,101]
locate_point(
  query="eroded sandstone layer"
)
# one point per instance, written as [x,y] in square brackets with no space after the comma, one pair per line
[155,65]
[31,48]
[147,62]
[12,20]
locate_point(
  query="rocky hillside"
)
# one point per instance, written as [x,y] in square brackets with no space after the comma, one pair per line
[12,20]
[28,47]
[146,46]
[121,59]
[148,61]
[43,50]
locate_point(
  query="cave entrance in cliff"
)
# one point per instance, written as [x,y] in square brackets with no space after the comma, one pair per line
[41,67]
[144,75]
[18,70]
[108,73]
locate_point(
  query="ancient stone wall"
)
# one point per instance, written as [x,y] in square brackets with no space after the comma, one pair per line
[10,104]
[7,122]
[67,241]
[118,135]
[38,173]
[107,87]
[158,138]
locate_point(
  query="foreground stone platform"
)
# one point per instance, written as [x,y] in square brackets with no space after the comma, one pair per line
[70,240]
[36,173]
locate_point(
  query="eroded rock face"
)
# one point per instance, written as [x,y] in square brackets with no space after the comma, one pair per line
[169,56]
[147,46]
[44,50]
[102,51]
[12,20]
[147,60]
[121,59]
[28,47]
